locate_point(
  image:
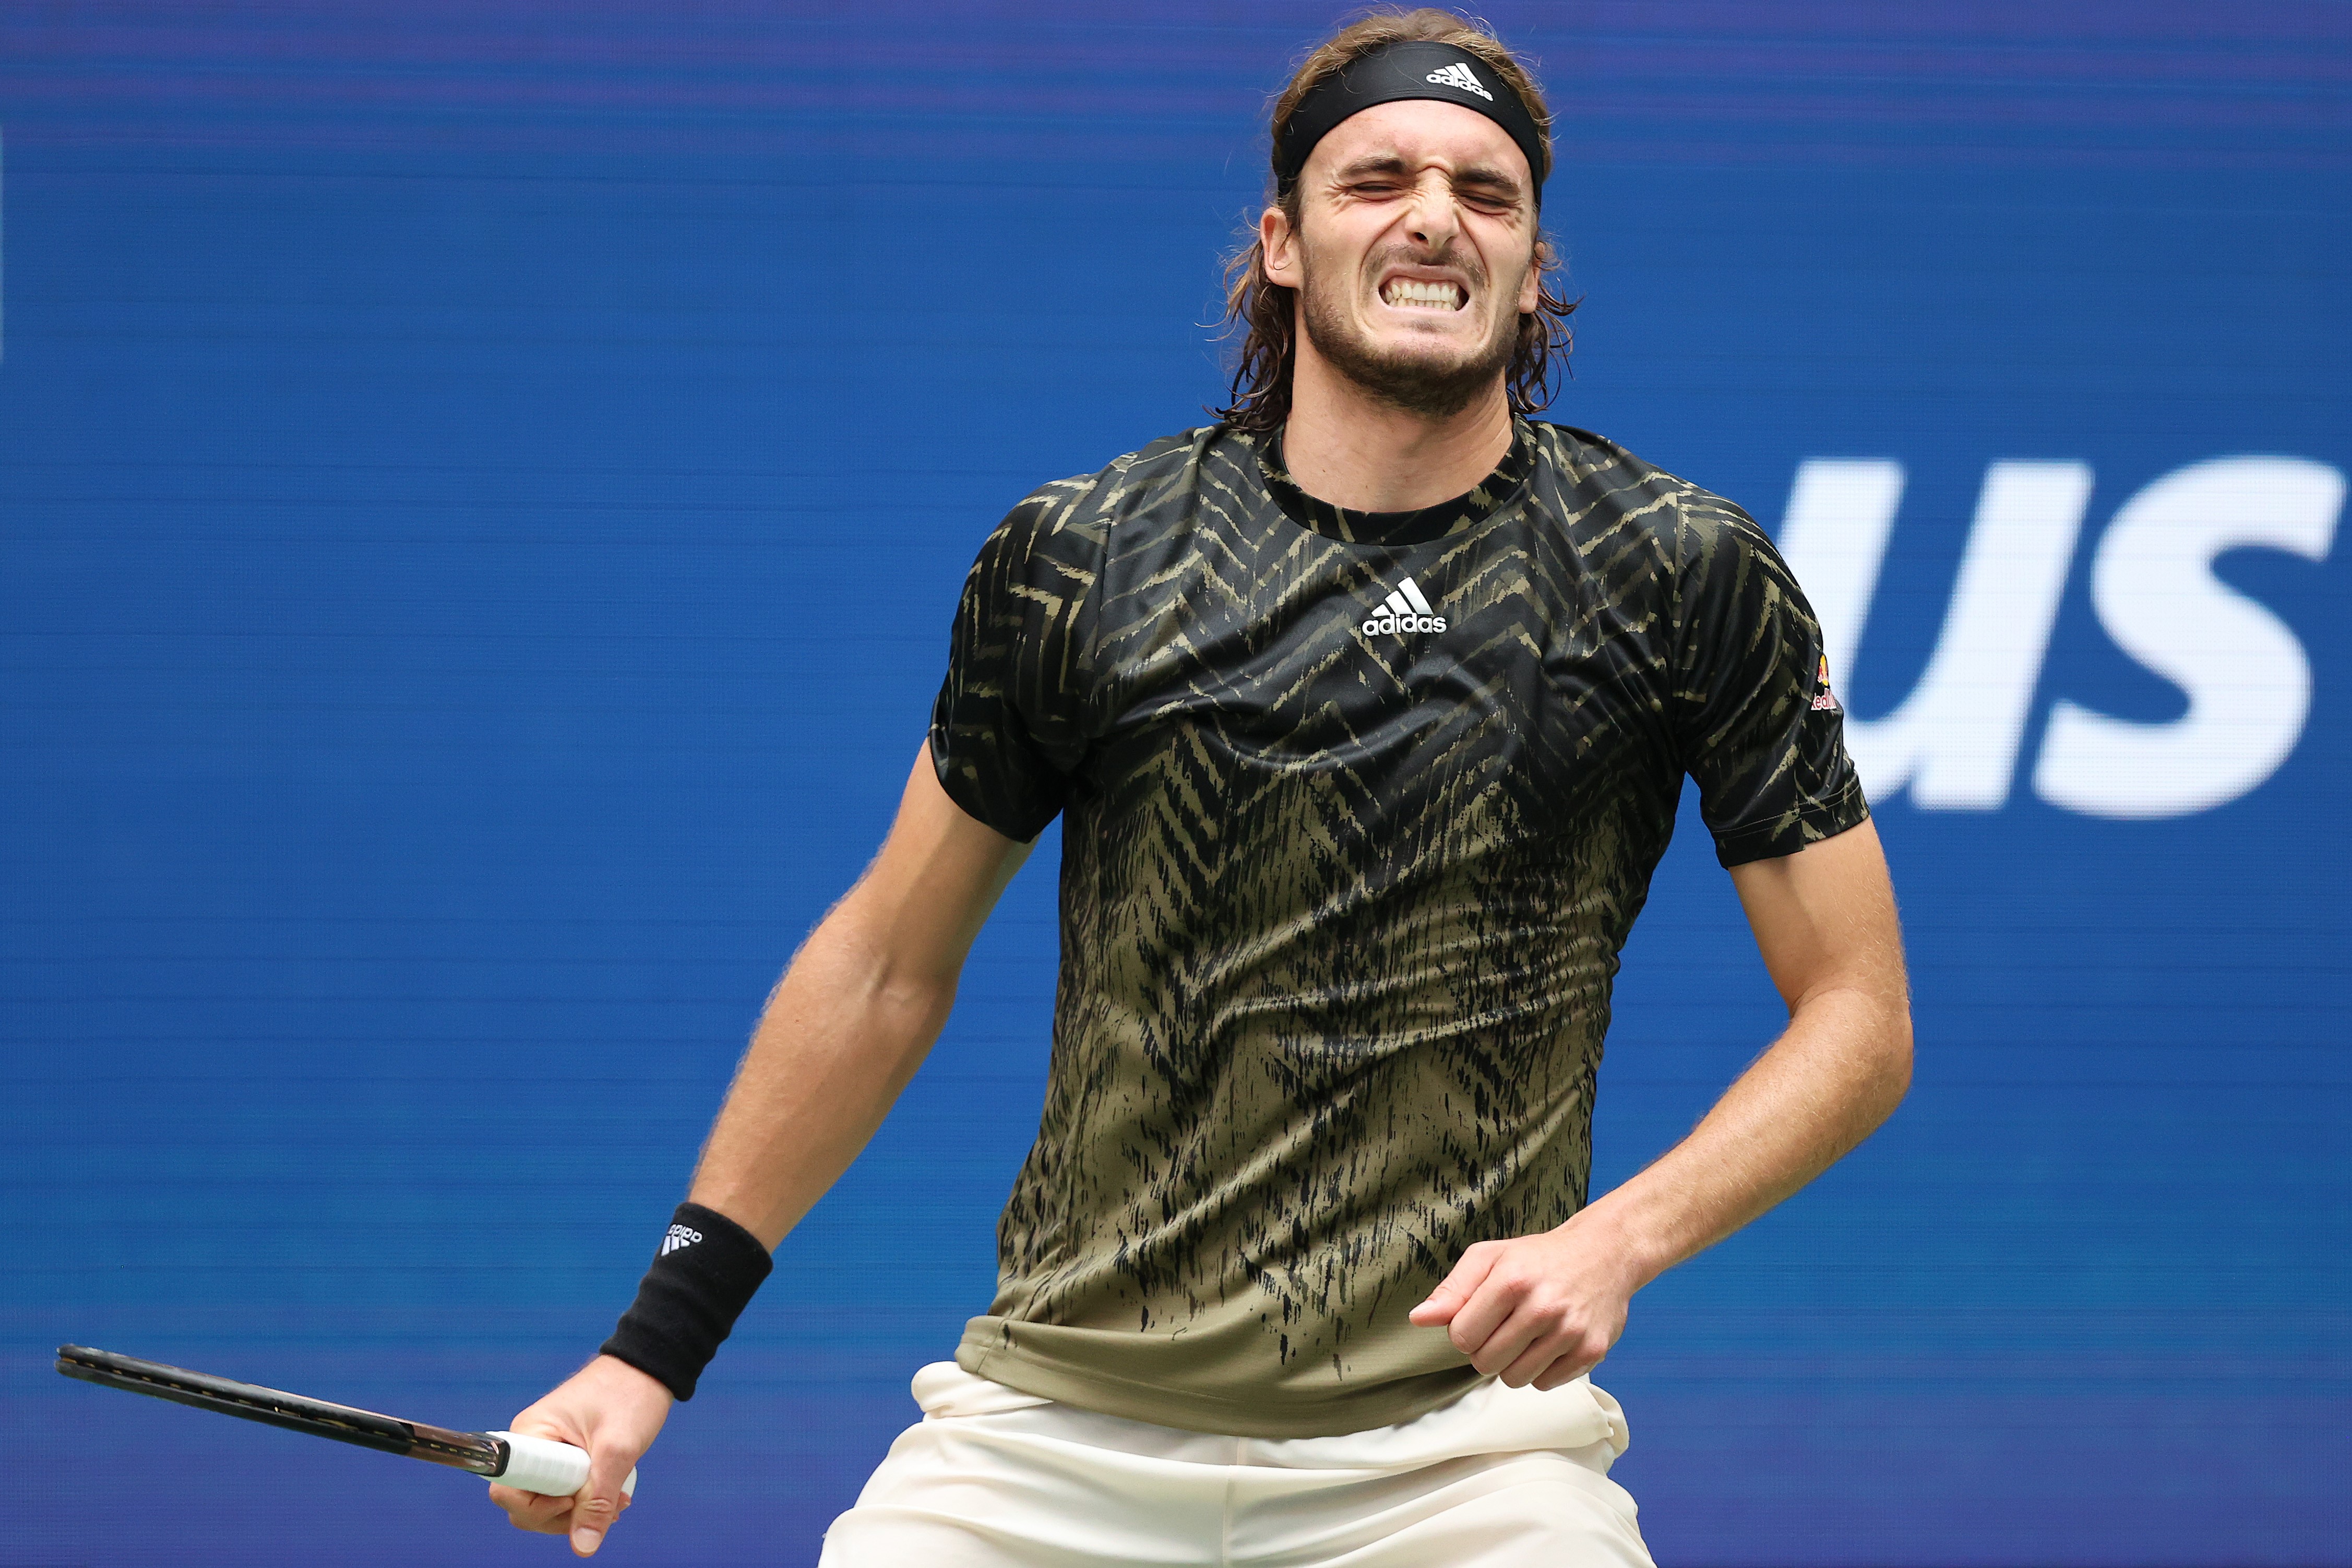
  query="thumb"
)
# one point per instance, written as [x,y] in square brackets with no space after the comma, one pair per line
[1453,1289]
[596,1506]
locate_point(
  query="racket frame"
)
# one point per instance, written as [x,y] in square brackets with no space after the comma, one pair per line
[478,1453]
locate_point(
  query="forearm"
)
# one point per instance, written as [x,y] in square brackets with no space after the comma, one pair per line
[1838,1070]
[838,1040]
[855,1015]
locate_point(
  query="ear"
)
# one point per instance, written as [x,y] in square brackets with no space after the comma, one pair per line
[1278,248]
[1531,286]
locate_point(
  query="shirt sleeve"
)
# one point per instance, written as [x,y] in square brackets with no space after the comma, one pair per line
[1758,726]
[1007,732]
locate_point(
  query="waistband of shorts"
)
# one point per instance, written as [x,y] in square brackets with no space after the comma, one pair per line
[1490,1419]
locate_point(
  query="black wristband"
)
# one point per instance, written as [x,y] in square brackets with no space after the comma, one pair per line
[702,1280]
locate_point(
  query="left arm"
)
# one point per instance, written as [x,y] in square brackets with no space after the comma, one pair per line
[1545,1308]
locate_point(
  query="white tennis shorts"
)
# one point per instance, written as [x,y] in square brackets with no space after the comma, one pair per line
[991,1478]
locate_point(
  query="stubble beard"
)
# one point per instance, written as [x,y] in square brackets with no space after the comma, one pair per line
[1420,384]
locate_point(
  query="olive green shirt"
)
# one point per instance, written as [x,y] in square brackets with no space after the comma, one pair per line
[1357,811]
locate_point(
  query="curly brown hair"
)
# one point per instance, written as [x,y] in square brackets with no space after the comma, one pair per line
[1265,312]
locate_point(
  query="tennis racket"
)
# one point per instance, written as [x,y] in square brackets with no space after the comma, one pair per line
[528,1464]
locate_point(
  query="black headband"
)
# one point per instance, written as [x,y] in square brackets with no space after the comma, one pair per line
[1407,71]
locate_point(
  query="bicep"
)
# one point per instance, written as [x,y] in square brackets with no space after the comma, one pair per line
[1824,918]
[931,888]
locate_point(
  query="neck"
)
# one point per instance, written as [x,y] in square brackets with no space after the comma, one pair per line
[1346,447]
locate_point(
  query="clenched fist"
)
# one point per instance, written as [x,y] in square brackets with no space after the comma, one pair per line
[1540,1309]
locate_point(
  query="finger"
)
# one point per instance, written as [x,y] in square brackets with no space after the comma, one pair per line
[1512,1337]
[598,1504]
[533,1510]
[1487,1310]
[514,1500]
[1543,1354]
[544,1524]
[1561,1373]
[1457,1287]
[529,1510]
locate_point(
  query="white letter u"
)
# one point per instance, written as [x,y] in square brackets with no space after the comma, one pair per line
[1955,740]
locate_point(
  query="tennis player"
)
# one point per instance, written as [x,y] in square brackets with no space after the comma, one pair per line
[1366,711]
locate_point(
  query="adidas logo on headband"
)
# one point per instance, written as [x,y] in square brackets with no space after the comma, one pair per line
[1459,75]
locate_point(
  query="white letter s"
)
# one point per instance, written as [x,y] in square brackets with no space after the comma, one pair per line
[2247,678]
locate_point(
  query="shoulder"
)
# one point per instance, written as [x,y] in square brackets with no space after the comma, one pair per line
[1070,518]
[1652,532]
[1048,554]
[1132,479]
[1598,487]
[1067,536]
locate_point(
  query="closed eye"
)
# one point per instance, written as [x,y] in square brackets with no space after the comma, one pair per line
[1495,198]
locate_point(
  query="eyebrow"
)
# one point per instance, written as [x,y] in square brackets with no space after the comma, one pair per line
[1481,174]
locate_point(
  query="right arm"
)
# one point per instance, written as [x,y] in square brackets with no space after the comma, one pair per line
[853,1017]
[855,1014]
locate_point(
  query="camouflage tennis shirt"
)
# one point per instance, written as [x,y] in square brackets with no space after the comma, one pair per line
[1358,810]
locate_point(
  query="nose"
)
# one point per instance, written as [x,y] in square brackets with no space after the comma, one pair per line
[1432,219]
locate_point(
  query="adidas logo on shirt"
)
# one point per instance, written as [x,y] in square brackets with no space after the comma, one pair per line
[679,1236]
[1406,610]
[1459,75]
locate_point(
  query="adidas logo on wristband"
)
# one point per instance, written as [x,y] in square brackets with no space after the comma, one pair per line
[687,1306]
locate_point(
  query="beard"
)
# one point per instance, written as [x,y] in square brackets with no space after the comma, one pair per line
[1425,385]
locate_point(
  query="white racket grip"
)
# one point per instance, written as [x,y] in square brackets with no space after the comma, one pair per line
[548,1468]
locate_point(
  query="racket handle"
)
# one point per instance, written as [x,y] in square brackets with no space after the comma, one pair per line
[547,1467]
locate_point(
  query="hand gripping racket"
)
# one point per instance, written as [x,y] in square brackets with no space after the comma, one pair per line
[528,1464]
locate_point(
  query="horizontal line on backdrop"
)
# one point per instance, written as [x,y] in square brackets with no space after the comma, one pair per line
[447,634]
[568,471]
[604,963]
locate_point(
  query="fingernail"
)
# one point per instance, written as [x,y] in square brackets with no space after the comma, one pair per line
[586,1542]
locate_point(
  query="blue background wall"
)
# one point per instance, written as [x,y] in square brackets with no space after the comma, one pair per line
[482,490]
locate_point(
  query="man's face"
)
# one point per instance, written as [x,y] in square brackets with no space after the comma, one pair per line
[1413,254]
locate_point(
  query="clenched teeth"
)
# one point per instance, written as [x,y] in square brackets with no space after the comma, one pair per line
[1413,291]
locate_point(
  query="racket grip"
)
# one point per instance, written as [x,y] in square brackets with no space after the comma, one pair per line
[547,1467]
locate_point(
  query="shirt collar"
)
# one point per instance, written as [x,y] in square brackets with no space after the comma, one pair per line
[1472,507]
